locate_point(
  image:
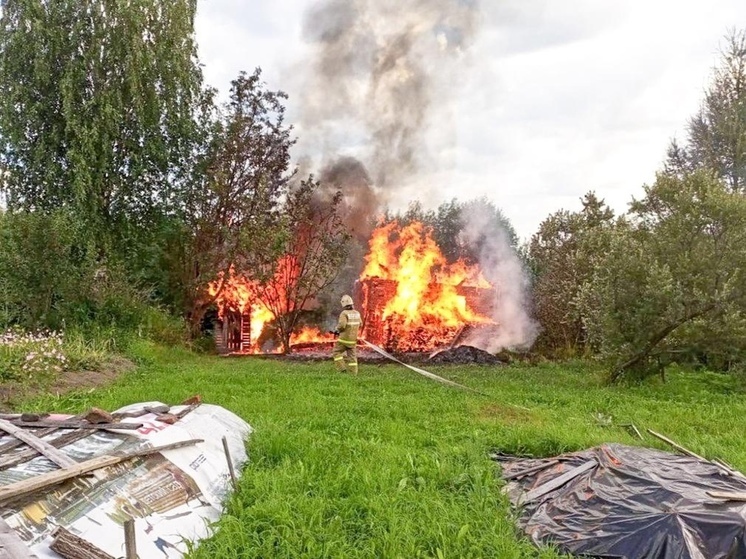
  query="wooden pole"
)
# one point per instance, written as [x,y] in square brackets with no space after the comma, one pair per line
[677,446]
[130,544]
[231,471]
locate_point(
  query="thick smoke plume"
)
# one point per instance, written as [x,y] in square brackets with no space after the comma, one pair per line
[380,70]
[380,79]
[503,268]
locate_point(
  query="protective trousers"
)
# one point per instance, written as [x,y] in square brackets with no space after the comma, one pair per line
[345,355]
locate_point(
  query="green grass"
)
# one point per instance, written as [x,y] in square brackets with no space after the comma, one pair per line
[390,464]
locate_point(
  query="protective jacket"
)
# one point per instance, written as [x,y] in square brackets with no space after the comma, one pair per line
[348,327]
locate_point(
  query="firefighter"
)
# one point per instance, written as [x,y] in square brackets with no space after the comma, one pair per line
[345,350]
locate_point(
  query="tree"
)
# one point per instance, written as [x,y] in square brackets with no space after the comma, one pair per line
[717,133]
[678,264]
[232,218]
[563,255]
[315,249]
[96,108]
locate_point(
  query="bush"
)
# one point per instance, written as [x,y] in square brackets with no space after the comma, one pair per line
[42,269]
[52,278]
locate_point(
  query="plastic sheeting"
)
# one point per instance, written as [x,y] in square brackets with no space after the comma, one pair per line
[635,503]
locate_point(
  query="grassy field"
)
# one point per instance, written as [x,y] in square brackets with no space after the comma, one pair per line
[390,464]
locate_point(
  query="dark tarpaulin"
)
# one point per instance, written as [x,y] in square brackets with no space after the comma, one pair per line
[636,503]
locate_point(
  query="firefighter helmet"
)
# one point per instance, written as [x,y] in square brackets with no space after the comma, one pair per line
[346,301]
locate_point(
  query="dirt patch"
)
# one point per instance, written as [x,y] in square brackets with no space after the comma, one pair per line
[506,413]
[70,381]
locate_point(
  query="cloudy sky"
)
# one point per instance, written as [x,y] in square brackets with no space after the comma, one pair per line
[550,100]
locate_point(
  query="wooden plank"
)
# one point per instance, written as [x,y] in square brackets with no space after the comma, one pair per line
[42,432]
[730,470]
[39,445]
[70,546]
[557,482]
[15,443]
[75,425]
[527,471]
[188,410]
[11,544]
[26,454]
[42,481]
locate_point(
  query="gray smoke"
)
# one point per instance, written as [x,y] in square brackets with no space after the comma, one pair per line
[502,267]
[378,70]
[349,176]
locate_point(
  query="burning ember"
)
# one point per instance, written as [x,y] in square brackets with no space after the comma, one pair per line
[413,299]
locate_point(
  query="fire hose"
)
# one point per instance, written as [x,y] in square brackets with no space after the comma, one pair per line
[422,372]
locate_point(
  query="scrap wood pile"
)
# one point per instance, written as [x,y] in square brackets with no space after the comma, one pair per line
[631,502]
[66,481]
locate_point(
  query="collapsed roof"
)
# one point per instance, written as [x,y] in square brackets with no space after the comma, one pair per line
[617,501]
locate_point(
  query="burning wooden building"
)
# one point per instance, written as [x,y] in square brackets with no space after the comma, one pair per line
[423,332]
[412,299]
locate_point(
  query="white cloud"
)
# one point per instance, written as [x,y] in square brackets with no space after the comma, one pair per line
[557,98]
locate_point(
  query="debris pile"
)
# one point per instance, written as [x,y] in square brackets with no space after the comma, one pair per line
[465,355]
[148,477]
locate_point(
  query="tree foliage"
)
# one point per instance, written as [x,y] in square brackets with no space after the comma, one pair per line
[717,133]
[563,254]
[232,210]
[96,108]
[678,265]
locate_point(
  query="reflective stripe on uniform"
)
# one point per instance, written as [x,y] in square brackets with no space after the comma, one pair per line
[348,343]
[339,358]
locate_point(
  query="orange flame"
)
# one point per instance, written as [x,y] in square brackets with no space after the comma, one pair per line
[426,303]
[310,335]
[238,294]
[241,295]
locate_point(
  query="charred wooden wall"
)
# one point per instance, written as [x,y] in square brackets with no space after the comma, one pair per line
[233,333]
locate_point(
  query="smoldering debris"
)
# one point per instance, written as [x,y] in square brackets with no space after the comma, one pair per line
[465,355]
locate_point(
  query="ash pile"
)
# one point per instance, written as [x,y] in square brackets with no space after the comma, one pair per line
[465,355]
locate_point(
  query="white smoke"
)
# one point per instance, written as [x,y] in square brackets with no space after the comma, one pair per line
[503,268]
